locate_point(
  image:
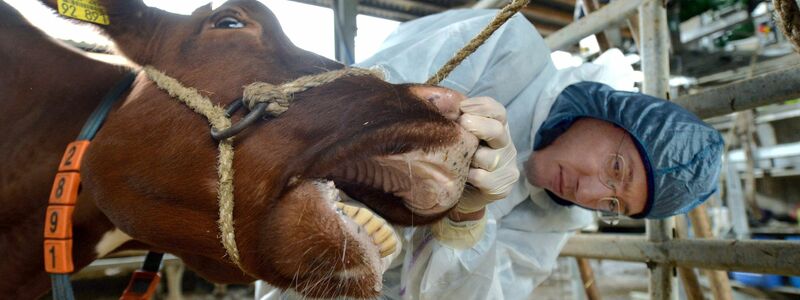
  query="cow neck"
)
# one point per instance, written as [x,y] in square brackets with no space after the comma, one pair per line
[64,194]
[261,98]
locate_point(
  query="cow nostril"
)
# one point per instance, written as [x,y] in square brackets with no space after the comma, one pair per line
[446,100]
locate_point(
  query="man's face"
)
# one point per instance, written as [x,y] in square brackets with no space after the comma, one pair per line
[576,166]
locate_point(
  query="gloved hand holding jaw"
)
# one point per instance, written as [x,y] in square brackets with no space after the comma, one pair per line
[491,176]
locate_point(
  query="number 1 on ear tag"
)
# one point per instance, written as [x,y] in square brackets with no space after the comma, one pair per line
[86,10]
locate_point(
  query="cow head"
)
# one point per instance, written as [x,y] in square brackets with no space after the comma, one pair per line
[151,169]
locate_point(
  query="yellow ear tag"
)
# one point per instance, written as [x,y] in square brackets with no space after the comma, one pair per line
[87,10]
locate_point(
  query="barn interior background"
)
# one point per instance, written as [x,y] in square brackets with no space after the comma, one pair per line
[714,46]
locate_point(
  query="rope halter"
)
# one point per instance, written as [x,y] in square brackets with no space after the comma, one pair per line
[261,98]
[266,98]
[280,96]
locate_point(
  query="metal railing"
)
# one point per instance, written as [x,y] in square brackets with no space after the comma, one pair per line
[659,249]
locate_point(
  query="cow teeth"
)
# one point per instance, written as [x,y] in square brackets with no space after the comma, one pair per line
[382,234]
[349,211]
[362,216]
[375,226]
[387,247]
[385,240]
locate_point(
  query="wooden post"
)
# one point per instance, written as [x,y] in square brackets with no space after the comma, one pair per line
[633,25]
[589,7]
[587,276]
[174,274]
[687,275]
[654,46]
[720,284]
[744,129]
[690,284]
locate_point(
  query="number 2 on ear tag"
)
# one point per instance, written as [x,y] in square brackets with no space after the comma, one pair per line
[86,10]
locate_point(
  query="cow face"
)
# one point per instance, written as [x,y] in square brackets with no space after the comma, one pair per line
[152,169]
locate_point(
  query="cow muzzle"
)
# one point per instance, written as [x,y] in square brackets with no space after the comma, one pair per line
[447,101]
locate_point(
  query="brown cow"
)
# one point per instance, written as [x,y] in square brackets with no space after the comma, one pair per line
[149,177]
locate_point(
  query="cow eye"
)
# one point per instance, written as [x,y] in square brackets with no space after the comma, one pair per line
[228,22]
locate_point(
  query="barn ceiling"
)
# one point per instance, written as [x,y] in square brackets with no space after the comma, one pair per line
[547,15]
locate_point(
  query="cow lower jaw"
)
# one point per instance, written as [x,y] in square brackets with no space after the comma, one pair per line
[363,224]
[377,229]
[374,236]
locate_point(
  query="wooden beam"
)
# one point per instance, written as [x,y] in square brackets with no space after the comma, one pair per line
[718,280]
[545,29]
[691,285]
[773,87]
[633,29]
[547,14]
[563,2]
[609,15]
[405,5]
[757,256]
[587,277]
[589,7]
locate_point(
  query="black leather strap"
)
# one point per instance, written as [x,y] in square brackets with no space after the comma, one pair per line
[61,286]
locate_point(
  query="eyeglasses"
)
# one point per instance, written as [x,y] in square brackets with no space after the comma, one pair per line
[612,176]
[609,211]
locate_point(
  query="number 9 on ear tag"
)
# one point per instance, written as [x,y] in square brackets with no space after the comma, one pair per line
[86,10]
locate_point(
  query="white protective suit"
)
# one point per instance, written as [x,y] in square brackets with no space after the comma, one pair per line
[525,231]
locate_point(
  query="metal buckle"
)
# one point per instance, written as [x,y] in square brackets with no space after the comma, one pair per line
[257,112]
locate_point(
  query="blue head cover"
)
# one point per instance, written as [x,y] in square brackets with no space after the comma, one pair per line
[681,154]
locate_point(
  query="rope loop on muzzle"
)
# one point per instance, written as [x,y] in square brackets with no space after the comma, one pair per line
[279,97]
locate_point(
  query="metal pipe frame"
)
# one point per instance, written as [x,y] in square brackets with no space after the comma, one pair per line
[344,30]
[654,42]
[744,94]
[757,256]
[613,13]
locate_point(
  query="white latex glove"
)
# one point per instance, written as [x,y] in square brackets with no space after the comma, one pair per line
[459,235]
[492,173]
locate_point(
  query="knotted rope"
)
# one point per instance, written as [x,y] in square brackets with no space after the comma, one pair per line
[499,19]
[278,96]
[216,117]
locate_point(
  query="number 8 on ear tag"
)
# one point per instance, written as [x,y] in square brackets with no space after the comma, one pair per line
[86,10]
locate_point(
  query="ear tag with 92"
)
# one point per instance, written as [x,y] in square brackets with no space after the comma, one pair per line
[86,10]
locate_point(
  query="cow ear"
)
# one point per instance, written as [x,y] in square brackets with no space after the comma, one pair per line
[205,9]
[129,23]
